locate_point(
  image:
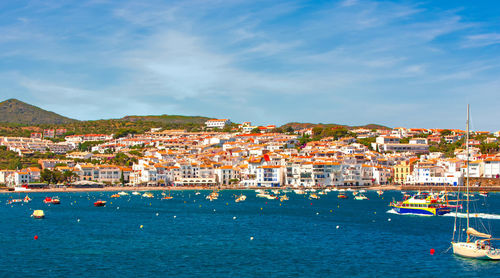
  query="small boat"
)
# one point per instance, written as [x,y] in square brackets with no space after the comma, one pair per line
[284,198]
[360,196]
[313,196]
[342,196]
[38,214]
[354,193]
[27,199]
[148,195]
[197,193]
[14,201]
[240,198]
[136,193]
[380,192]
[52,200]
[275,191]
[322,193]
[115,196]
[483,193]
[213,196]
[123,193]
[299,191]
[99,203]
[167,198]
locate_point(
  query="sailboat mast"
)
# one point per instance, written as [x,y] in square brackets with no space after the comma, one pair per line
[467,146]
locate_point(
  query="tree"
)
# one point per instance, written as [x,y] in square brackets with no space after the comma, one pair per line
[47,176]
[446,132]
[122,179]
[255,130]
[68,176]
[289,129]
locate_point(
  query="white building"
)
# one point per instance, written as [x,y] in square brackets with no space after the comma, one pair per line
[491,168]
[217,123]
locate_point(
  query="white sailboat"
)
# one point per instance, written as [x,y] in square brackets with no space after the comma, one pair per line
[477,244]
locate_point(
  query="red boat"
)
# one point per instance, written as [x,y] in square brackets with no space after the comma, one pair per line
[49,200]
[100,203]
[342,196]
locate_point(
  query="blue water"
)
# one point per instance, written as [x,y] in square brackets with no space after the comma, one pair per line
[191,236]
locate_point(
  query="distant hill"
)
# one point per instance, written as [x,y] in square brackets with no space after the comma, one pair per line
[297,126]
[167,119]
[18,112]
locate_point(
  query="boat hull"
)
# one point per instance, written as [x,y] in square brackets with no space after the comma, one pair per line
[470,250]
[421,211]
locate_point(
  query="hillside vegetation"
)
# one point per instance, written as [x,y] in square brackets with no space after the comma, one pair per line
[16,111]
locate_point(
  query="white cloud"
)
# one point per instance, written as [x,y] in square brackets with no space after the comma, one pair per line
[481,40]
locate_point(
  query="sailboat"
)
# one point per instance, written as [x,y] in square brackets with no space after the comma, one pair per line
[477,244]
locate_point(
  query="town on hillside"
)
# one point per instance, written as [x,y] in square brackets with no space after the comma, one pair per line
[242,155]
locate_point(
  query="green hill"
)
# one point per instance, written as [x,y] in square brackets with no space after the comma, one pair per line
[18,112]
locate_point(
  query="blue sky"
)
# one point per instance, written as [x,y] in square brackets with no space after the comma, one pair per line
[397,63]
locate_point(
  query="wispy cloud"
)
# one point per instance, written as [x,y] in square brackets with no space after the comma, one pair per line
[481,40]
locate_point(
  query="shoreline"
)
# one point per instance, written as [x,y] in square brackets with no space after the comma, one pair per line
[179,188]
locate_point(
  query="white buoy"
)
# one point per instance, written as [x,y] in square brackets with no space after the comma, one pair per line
[389,220]
[251,238]
[317,213]
[234,217]
[338,227]
[157,214]
[117,207]
[175,216]
[78,220]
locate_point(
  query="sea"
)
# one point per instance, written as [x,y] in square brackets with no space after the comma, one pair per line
[190,236]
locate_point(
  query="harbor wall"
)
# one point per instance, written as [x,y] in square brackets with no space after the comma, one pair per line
[476,184]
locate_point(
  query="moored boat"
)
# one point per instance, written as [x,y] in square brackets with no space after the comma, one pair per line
[360,196]
[14,201]
[115,196]
[38,214]
[313,196]
[342,196]
[477,244]
[240,198]
[214,195]
[148,195]
[99,203]
[52,200]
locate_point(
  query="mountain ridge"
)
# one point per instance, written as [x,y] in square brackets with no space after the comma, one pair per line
[19,112]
